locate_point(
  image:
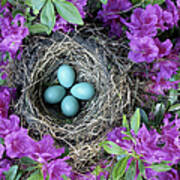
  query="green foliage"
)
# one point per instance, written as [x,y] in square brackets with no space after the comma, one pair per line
[46,9]
[37,175]
[144,117]
[119,169]
[131,172]
[27,161]
[135,121]
[38,28]
[173,96]
[3,2]
[175,107]
[68,11]
[159,113]
[97,170]
[160,167]
[36,5]
[146,2]
[13,174]
[125,122]
[104,1]
[1,141]
[65,177]
[141,168]
[112,148]
[2,81]
[47,16]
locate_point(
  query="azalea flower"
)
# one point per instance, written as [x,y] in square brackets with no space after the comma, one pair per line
[9,125]
[109,15]
[4,166]
[143,50]
[18,144]
[45,151]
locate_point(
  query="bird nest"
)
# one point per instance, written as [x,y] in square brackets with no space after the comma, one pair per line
[93,63]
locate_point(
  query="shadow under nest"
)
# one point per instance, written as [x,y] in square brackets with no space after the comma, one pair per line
[96,59]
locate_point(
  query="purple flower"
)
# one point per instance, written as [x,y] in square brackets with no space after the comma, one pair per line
[12,32]
[56,168]
[8,126]
[2,148]
[61,24]
[161,86]
[158,11]
[117,136]
[164,47]
[151,146]
[19,144]
[44,150]
[143,50]
[4,166]
[171,8]
[5,98]
[142,24]
[168,175]
[165,69]
[109,15]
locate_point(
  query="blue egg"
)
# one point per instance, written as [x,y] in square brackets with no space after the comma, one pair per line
[83,91]
[54,94]
[69,106]
[66,76]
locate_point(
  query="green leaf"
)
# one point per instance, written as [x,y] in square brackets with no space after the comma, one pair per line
[131,172]
[139,177]
[135,121]
[104,1]
[175,107]
[102,178]
[112,148]
[159,112]
[125,122]
[173,96]
[3,2]
[69,12]
[144,117]
[13,2]
[38,28]
[146,2]
[19,175]
[37,175]
[1,141]
[17,11]
[47,16]
[27,161]
[97,170]
[141,168]
[160,167]
[31,168]
[64,177]
[2,81]
[28,2]
[158,2]
[119,169]
[36,5]
[11,174]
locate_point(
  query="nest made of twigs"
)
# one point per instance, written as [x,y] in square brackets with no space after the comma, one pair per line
[92,63]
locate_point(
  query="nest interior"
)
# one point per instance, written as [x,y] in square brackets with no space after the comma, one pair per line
[93,62]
